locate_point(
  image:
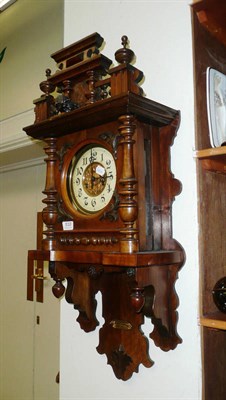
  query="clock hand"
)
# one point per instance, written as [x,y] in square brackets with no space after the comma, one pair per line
[102,179]
[105,177]
[92,169]
[92,156]
[92,179]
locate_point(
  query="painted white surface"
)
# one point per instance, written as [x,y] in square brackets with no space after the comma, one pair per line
[160,35]
[30,31]
[29,357]
[17,150]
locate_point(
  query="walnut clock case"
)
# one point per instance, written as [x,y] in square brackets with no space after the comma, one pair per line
[108,198]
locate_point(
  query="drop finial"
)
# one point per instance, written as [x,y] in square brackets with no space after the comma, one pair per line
[124,55]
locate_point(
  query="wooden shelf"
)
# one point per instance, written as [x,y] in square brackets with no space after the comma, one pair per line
[123,260]
[215,320]
[213,159]
[212,152]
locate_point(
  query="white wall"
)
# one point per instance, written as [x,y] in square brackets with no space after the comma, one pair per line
[29,359]
[30,31]
[160,35]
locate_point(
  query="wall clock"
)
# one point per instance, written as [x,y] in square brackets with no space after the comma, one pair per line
[108,198]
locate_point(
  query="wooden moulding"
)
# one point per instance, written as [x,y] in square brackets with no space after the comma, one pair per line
[102,112]
[136,260]
[93,40]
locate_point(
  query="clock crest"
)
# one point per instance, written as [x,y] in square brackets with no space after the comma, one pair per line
[108,200]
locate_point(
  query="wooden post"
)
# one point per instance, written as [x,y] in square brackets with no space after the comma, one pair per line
[128,209]
[49,213]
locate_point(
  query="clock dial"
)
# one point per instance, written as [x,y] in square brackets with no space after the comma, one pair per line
[92,179]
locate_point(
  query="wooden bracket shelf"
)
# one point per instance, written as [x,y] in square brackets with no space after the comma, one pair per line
[133,286]
[213,159]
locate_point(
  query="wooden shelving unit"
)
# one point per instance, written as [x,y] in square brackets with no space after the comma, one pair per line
[209,44]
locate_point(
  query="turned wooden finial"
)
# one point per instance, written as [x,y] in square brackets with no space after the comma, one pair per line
[45,86]
[124,55]
[137,299]
[58,289]
[124,41]
[48,72]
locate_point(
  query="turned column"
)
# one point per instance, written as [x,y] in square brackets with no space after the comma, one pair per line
[128,209]
[49,213]
[91,94]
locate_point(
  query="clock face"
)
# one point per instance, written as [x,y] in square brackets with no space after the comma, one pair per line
[92,179]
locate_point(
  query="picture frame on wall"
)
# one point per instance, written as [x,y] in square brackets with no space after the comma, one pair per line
[216,106]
